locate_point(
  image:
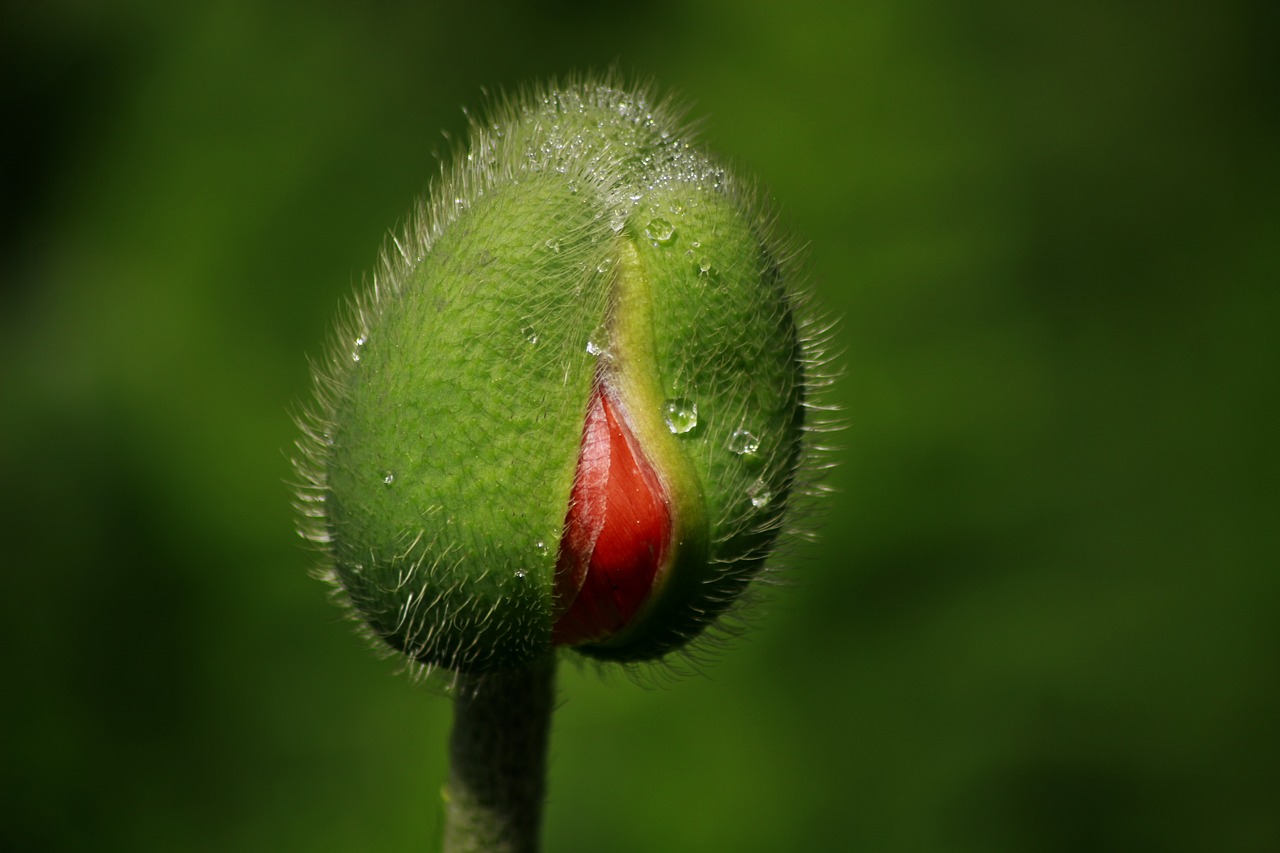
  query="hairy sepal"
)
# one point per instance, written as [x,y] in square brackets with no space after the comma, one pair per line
[580,232]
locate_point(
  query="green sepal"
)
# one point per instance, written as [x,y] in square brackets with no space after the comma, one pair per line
[579,234]
[711,321]
[456,434]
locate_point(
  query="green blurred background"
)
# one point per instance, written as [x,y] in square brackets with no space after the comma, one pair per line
[1045,611]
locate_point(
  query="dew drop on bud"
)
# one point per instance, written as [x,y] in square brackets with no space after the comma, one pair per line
[759,494]
[659,230]
[743,443]
[681,415]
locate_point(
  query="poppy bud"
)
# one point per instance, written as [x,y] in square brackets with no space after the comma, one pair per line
[569,407]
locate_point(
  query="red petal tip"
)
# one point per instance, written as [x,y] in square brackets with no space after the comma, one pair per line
[616,533]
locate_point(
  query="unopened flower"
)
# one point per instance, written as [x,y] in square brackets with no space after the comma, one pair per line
[572,406]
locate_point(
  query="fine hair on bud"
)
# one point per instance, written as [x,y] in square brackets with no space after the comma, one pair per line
[578,404]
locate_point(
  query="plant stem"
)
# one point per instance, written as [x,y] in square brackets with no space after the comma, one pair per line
[498,760]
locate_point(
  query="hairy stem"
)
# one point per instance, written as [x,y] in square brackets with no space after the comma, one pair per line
[498,760]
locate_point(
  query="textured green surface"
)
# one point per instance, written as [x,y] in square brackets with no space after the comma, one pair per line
[724,341]
[579,234]
[469,395]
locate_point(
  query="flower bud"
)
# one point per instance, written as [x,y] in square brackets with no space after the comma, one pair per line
[569,407]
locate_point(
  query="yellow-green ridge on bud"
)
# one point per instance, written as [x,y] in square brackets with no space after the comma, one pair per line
[574,404]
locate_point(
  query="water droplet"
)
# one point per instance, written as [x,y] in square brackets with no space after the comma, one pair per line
[388,478]
[604,266]
[360,342]
[759,493]
[680,414]
[660,230]
[616,223]
[520,574]
[553,245]
[704,266]
[697,244]
[743,443]
[598,341]
[540,547]
[530,334]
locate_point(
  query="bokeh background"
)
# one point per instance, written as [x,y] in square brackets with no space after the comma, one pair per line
[1044,614]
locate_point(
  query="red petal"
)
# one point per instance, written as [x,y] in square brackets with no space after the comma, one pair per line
[616,533]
